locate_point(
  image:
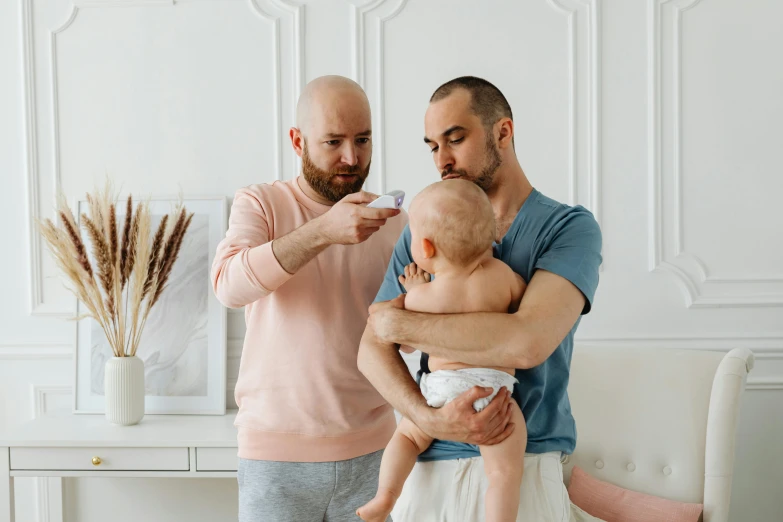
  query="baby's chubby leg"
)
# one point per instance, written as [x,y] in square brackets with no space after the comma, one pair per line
[398,460]
[504,464]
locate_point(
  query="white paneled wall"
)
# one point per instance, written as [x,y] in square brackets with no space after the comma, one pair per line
[661,116]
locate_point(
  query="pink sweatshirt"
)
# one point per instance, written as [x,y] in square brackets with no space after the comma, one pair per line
[300,394]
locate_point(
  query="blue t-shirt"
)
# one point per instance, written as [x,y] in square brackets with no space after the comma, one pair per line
[555,237]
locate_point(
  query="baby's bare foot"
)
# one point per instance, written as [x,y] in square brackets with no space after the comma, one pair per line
[413,276]
[378,509]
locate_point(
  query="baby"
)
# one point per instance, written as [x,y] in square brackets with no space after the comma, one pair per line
[452,228]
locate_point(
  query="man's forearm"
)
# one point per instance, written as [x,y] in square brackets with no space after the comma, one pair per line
[384,368]
[295,249]
[549,310]
[482,338]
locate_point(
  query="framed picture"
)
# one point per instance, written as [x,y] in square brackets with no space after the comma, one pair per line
[183,344]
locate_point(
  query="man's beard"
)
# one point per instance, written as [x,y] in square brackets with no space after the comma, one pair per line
[492,162]
[326,184]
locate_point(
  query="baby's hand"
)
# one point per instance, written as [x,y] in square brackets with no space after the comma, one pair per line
[413,276]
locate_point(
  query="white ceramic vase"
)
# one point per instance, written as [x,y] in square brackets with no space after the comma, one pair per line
[124,390]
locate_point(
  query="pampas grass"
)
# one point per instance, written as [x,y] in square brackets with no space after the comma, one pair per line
[128,271]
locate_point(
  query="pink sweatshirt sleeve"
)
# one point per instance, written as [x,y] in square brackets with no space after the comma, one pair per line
[245,269]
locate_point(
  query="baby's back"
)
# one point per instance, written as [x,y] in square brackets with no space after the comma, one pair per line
[491,287]
[487,289]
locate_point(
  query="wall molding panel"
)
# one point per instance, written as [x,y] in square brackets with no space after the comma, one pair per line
[665,176]
[368,50]
[42,128]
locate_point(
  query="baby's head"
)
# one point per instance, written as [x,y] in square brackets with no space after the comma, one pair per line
[451,221]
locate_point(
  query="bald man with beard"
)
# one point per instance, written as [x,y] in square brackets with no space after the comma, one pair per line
[306,258]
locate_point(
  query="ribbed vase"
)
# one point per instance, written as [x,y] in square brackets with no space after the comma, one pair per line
[124,390]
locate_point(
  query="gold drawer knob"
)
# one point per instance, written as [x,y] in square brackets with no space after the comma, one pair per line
[96,461]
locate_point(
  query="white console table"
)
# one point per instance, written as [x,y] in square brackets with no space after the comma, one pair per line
[68,445]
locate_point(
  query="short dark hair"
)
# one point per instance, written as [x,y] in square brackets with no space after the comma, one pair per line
[487,102]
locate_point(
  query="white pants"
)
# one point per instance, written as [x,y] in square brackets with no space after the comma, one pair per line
[454,490]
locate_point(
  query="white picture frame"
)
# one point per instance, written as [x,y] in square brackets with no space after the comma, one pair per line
[200,378]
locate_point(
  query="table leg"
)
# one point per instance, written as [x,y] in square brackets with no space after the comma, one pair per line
[6,487]
[55,507]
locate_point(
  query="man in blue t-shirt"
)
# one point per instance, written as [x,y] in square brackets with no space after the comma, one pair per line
[557,250]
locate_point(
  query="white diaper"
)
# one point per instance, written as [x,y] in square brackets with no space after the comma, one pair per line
[443,386]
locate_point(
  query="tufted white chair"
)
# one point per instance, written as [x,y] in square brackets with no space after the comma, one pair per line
[659,421]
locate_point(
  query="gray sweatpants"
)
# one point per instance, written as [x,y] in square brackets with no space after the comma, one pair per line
[306,491]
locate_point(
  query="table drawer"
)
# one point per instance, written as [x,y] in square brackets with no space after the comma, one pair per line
[103,459]
[216,459]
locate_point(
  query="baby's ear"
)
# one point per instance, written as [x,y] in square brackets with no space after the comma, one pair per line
[427,248]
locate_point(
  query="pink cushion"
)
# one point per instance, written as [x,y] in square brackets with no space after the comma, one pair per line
[615,504]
